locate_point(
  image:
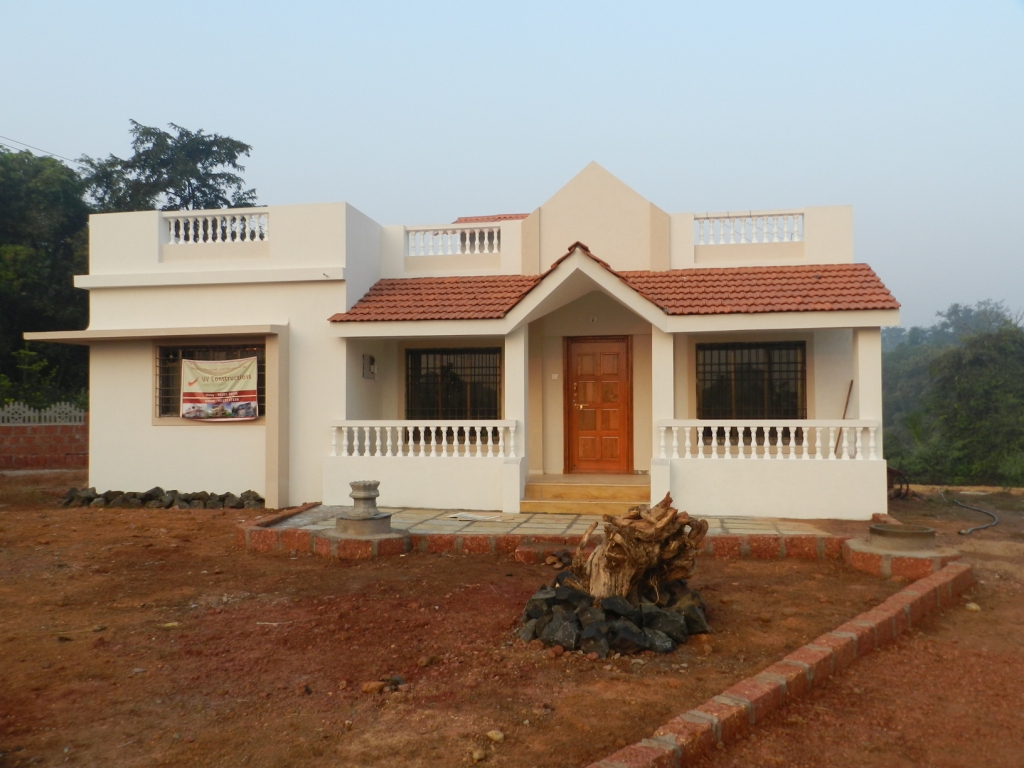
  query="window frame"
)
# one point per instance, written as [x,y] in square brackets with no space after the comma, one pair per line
[498,376]
[799,380]
[258,344]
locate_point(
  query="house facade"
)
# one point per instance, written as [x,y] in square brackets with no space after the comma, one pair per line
[515,362]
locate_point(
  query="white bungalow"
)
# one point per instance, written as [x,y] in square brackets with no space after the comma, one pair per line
[497,363]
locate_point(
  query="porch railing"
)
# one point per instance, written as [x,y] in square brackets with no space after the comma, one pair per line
[769,439]
[239,225]
[453,239]
[426,439]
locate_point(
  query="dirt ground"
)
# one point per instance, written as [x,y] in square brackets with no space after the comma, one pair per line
[145,637]
[947,696]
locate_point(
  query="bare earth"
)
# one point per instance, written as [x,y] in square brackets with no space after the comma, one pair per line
[141,637]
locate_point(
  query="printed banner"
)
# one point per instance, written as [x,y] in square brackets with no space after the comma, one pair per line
[219,390]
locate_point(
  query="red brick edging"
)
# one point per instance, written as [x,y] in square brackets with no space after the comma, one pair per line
[721,719]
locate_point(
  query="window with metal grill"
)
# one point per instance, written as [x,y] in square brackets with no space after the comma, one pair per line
[752,381]
[453,383]
[168,371]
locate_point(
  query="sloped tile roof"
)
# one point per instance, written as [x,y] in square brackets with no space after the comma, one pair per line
[713,291]
[495,217]
[478,297]
[745,290]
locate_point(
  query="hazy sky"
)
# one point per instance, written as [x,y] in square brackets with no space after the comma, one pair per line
[420,112]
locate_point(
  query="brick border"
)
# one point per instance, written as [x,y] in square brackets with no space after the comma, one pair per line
[721,719]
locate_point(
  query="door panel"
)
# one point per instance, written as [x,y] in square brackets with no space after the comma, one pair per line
[598,405]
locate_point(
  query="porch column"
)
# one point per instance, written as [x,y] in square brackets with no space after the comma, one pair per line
[663,389]
[867,378]
[516,362]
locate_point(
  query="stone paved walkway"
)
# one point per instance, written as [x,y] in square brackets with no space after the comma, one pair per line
[491,523]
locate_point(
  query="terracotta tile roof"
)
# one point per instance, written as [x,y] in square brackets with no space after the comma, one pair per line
[495,217]
[745,290]
[714,291]
[477,297]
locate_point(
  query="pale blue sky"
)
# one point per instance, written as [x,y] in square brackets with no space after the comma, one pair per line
[420,112]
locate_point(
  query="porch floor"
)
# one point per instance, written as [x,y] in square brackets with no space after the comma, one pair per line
[495,523]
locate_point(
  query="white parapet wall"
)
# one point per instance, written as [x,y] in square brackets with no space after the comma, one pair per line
[440,482]
[840,490]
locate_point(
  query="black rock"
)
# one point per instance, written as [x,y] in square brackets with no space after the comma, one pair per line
[620,606]
[540,603]
[594,639]
[671,623]
[588,615]
[99,501]
[133,503]
[625,637]
[154,504]
[166,500]
[568,633]
[552,628]
[253,504]
[657,641]
[214,504]
[561,577]
[250,496]
[529,631]
[111,495]
[232,502]
[696,623]
[196,504]
[153,493]
[119,501]
[185,496]
[577,598]
[201,496]
[180,503]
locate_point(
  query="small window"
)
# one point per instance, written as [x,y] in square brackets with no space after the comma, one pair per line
[168,372]
[453,383]
[752,381]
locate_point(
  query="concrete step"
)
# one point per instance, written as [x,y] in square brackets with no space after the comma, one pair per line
[570,507]
[589,492]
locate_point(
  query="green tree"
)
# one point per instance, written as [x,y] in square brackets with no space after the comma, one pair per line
[186,170]
[43,244]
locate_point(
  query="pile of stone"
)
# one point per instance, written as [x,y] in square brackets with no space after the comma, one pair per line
[158,498]
[563,616]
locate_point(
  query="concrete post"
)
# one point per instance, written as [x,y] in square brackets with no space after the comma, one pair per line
[663,393]
[516,361]
[866,402]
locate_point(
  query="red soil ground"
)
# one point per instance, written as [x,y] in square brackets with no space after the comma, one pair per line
[142,637]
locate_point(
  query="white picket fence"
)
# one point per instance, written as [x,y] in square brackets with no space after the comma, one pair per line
[58,413]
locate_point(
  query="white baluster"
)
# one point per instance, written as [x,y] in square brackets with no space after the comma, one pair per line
[818,454]
[830,448]
[334,442]
[806,435]
[743,230]
[686,448]
[740,448]
[860,444]
[675,442]
[344,441]
[732,231]
[871,443]
[714,442]
[661,435]
[501,441]
[727,444]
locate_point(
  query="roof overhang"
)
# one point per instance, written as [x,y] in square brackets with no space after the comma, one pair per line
[578,274]
[91,336]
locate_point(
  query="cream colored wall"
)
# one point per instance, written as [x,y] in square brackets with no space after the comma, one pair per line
[595,314]
[833,369]
[619,226]
[316,374]
[127,452]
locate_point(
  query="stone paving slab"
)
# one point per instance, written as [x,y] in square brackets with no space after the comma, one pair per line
[440,521]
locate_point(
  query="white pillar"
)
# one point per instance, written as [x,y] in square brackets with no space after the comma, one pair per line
[866,402]
[663,394]
[515,384]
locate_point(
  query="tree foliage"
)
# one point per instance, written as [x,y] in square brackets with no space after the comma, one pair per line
[186,170]
[954,398]
[43,244]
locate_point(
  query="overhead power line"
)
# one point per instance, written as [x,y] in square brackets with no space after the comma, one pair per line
[37,149]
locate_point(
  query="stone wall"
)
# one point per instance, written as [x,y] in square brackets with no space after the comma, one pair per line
[44,446]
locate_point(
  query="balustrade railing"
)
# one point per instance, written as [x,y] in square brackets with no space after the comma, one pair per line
[770,439]
[58,413]
[751,227]
[426,439]
[227,226]
[452,240]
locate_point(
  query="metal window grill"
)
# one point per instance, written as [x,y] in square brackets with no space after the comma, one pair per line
[453,383]
[168,372]
[752,381]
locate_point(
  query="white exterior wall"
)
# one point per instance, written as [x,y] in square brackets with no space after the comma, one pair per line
[128,453]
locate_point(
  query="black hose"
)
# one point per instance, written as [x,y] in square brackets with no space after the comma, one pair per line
[995,519]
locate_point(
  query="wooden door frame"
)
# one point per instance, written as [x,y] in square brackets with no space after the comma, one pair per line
[567,396]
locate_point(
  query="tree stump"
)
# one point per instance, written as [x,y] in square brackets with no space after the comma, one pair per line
[642,549]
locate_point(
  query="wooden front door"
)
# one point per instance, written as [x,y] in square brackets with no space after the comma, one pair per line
[599,405]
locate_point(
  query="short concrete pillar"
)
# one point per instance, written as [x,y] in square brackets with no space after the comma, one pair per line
[364,498]
[365,520]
